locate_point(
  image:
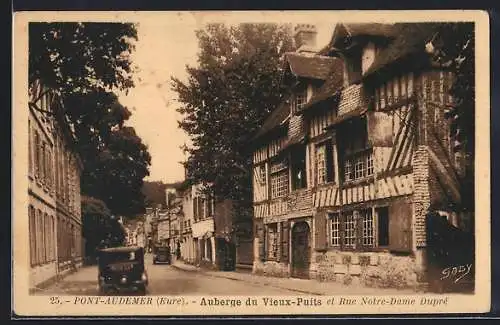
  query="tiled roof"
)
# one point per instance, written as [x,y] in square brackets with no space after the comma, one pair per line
[349,115]
[331,86]
[277,117]
[307,66]
[403,39]
[411,38]
[310,66]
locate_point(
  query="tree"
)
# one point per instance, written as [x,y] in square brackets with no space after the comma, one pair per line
[100,228]
[225,101]
[116,173]
[154,193]
[454,48]
[86,63]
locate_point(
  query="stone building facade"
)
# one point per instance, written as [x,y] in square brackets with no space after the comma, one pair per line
[348,167]
[54,211]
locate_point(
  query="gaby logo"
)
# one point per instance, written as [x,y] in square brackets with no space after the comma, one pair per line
[457,272]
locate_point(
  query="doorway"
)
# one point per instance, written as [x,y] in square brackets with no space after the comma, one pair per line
[301,251]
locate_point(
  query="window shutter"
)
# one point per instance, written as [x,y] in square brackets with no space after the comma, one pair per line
[284,241]
[358,228]
[329,161]
[400,215]
[320,230]
[259,231]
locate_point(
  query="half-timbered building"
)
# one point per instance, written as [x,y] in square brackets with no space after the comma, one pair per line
[371,145]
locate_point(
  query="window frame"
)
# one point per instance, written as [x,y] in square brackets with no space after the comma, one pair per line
[279,170]
[351,234]
[299,99]
[262,174]
[329,162]
[298,165]
[358,166]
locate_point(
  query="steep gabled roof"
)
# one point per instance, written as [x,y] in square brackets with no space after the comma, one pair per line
[309,66]
[343,31]
[410,39]
[305,66]
[277,117]
[402,39]
[330,88]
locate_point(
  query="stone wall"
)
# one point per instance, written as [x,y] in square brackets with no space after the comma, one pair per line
[371,269]
[271,268]
[421,194]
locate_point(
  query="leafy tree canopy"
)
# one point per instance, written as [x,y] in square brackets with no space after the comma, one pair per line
[86,63]
[154,193]
[100,228]
[454,48]
[226,99]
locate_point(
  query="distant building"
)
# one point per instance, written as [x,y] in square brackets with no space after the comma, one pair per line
[54,168]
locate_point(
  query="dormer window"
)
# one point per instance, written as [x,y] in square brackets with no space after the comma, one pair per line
[299,100]
[368,56]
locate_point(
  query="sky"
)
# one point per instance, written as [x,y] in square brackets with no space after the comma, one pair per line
[166,44]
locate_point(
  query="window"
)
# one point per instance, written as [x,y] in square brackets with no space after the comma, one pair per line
[368,234]
[210,206]
[383,226]
[324,162]
[299,168]
[37,155]
[32,234]
[350,230]
[299,100]
[335,230]
[355,152]
[272,241]
[279,179]
[30,148]
[347,170]
[279,184]
[358,166]
[262,174]
[43,159]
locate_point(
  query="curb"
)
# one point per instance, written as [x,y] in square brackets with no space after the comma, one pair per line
[184,269]
[250,282]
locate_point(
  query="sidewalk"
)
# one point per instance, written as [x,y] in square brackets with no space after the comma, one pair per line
[304,286]
[81,282]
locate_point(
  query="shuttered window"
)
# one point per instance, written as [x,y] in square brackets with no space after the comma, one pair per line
[260,236]
[400,232]
[324,162]
[32,235]
[37,155]
[352,230]
[30,148]
[320,231]
[285,241]
[272,241]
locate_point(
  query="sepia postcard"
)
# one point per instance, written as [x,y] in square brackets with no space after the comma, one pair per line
[232,163]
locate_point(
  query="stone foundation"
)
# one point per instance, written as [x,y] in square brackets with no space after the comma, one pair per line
[271,268]
[370,269]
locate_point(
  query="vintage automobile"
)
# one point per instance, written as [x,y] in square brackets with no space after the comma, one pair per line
[162,254]
[122,269]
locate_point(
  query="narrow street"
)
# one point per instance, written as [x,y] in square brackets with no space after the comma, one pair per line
[164,280]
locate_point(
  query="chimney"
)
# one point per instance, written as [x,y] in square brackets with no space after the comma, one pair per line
[305,37]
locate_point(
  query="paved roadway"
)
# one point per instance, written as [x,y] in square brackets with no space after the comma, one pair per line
[165,280]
